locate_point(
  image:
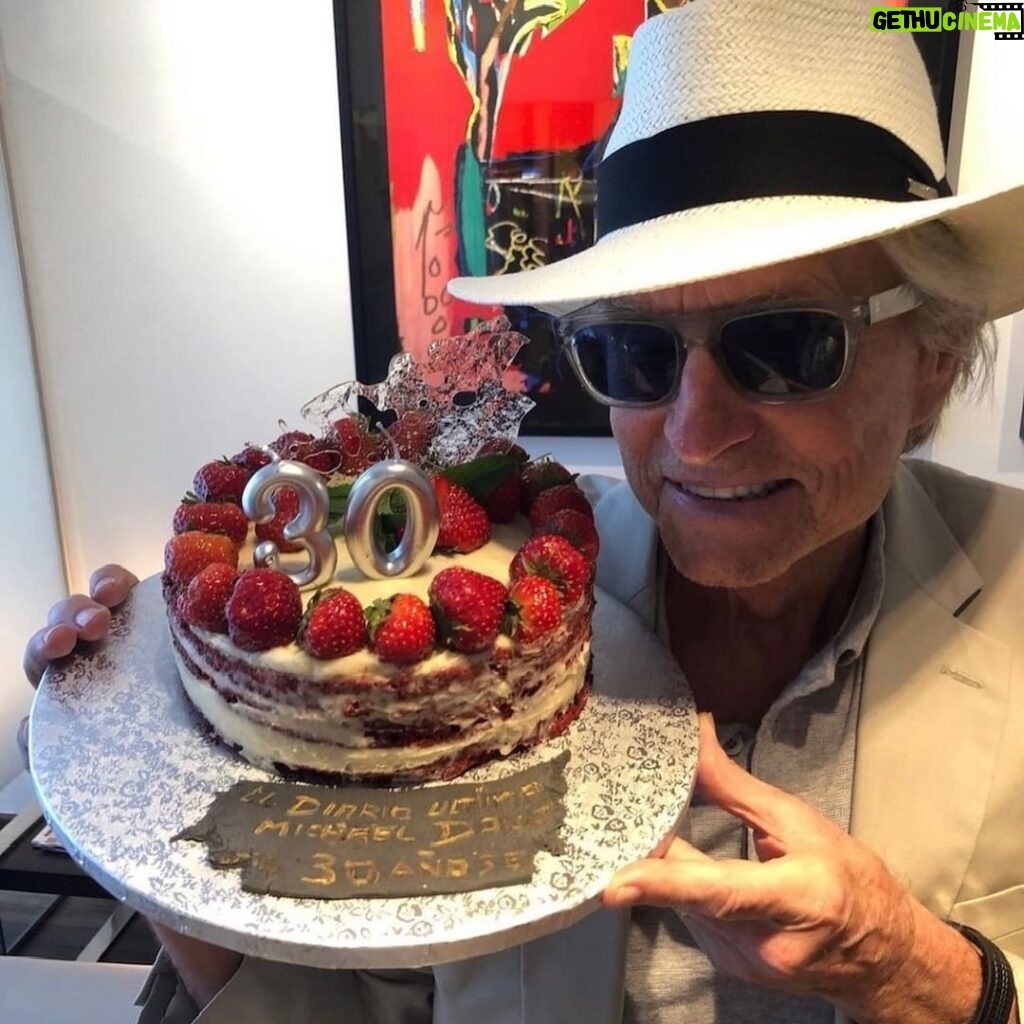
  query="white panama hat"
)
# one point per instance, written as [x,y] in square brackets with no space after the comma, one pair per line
[757,131]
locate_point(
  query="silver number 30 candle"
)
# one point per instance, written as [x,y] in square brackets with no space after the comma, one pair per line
[421,520]
[308,527]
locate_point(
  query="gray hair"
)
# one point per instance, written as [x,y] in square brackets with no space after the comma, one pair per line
[953,317]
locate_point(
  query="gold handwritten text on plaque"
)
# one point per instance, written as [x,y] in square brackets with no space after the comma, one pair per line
[296,840]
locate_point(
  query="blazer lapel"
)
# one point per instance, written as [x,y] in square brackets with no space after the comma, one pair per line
[627,564]
[934,693]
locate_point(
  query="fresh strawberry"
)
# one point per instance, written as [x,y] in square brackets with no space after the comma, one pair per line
[468,608]
[212,517]
[349,432]
[264,610]
[207,595]
[553,499]
[401,629]
[221,481]
[288,444]
[322,454]
[539,476]
[360,449]
[286,504]
[575,527]
[464,523]
[555,559]
[412,432]
[534,609]
[502,504]
[334,625]
[186,554]
[251,458]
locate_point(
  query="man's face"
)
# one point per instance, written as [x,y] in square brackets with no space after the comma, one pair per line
[829,461]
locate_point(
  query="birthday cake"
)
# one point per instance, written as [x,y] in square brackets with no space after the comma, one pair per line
[308,650]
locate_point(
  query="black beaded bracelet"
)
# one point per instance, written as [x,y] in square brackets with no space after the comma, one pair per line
[997,988]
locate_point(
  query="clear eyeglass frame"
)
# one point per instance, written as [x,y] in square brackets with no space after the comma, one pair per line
[703,329]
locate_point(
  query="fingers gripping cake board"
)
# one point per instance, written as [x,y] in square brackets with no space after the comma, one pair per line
[394,596]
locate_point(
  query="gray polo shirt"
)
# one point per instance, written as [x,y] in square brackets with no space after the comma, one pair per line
[806,744]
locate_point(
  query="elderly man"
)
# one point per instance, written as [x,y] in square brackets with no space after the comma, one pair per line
[782,300]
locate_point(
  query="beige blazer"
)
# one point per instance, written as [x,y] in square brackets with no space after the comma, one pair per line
[939,781]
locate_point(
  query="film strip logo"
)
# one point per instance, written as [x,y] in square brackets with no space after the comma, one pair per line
[1018,8]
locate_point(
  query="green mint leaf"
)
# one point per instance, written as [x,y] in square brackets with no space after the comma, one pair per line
[482,475]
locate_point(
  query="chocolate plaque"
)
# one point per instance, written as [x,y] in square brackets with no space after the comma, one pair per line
[332,843]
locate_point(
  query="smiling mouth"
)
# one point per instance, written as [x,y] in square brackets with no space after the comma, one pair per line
[749,492]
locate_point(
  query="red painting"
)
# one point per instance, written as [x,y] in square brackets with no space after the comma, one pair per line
[494,115]
[493,110]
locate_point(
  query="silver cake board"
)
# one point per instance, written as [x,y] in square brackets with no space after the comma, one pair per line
[122,763]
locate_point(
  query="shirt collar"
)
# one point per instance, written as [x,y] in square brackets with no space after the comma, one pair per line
[849,641]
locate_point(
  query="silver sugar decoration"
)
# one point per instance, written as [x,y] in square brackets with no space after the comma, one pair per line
[421,524]
[307,528]
[461,387]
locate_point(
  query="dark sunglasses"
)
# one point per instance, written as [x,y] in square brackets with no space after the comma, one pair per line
[788,350]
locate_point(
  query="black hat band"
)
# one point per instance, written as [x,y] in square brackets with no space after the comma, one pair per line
[757,154]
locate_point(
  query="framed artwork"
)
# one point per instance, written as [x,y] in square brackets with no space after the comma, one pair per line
[470,134]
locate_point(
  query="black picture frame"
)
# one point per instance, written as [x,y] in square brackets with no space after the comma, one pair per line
[359,52]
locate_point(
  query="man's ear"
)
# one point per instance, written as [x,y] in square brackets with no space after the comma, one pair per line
[936,372]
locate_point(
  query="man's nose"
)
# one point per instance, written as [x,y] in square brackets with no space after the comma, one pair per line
[708,416]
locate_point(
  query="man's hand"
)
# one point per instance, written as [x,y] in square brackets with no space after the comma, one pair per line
[820,914]
[77,617]
[205,969]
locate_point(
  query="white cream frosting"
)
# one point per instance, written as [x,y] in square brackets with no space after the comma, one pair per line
[330,739]
[263,745]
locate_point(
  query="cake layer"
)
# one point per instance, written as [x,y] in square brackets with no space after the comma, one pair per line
[275,735]
[362,717]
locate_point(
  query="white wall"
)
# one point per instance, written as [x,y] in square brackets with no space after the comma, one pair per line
[178,178]
[176,170]
[32,576]
[981,437]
